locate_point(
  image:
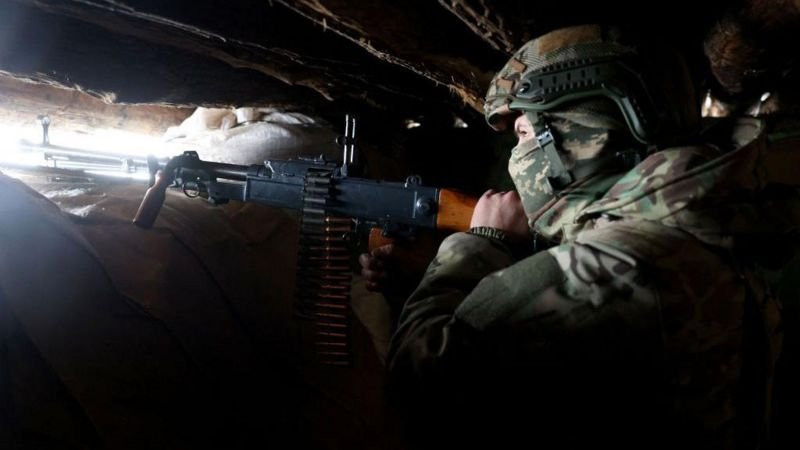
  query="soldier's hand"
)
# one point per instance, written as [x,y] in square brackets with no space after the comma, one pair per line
[373,267]
[502,210]
[397,268]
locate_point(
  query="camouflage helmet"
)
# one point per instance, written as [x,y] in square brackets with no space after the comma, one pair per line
[651,88]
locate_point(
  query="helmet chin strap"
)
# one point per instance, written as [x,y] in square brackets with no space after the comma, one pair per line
[558,176]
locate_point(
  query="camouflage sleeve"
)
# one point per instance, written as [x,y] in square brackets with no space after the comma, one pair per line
[427,317]
[476,308]
[432,338]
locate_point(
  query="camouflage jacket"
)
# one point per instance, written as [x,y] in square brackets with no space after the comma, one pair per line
[649,314]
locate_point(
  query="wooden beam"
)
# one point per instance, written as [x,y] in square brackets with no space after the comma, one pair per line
[438,48]
[240,44]
[486,22]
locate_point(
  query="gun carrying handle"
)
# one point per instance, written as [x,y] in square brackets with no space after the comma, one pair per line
[152,201]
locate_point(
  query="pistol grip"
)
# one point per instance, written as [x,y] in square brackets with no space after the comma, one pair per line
[377,239]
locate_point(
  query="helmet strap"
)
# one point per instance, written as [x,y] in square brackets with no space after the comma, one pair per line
[559,177]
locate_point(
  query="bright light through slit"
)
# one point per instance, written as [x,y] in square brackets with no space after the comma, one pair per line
[111,141]
[21,146]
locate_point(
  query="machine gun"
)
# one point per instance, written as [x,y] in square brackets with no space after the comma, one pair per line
[314,187]
[335,207]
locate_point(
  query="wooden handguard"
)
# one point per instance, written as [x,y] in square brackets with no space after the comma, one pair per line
[454,214]
[152,201]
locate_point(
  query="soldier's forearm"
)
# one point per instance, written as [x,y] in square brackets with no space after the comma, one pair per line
[426,333]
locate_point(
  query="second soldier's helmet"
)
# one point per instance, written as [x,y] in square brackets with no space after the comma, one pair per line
[650,85]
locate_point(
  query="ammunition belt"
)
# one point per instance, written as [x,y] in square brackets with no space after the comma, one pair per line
[324,273]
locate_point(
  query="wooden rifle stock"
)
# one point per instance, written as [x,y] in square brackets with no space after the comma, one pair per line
[455,211]
[454,214]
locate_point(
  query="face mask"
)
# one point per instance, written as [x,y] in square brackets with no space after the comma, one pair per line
[528,168]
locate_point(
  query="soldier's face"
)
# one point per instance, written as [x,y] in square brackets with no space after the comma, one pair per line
[523,128]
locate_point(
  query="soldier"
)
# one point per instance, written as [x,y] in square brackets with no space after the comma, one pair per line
[614,298]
